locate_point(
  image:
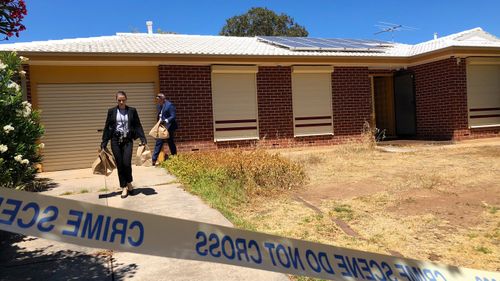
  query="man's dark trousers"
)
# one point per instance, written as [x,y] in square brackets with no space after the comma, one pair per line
[171,145]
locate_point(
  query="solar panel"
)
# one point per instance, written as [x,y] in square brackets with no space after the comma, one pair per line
[325,44]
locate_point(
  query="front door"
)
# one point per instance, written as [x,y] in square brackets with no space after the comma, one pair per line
[404,104]
[384,104]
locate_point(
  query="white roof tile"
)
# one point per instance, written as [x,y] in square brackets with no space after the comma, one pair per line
[475,37]
[158,44]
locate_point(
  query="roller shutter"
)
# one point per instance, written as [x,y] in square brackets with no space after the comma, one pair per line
[234,97]
[483,94]
[312,100]
[74,114]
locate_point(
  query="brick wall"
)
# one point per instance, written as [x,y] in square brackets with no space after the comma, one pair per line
[189,88]
[352,102]
[441,99]
[381,72]
[441,102]
[274,95]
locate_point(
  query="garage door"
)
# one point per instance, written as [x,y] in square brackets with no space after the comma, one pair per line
[72,114]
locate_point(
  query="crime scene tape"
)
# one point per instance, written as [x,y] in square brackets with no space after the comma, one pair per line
[98,226]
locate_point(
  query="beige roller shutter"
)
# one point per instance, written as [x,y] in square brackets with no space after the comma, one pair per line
[483,94]
[234,97]
[312,101]
[72,114]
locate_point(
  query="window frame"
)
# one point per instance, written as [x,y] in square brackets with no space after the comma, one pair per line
[221,125]
[316,120]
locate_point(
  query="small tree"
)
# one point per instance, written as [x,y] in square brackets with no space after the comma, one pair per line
[262,22]
[12,13]
[19,127]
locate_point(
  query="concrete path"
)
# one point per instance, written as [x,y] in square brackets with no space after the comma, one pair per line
[30,258]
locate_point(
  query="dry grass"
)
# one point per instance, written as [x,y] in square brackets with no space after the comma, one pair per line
[438,204]
[228,179]
[257,170]
[427,205]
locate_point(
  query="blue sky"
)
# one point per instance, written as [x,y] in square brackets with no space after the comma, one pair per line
[58,19]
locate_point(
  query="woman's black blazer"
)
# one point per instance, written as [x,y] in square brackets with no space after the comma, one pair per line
[134,125]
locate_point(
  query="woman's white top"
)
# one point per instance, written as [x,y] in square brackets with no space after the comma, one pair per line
[122,121]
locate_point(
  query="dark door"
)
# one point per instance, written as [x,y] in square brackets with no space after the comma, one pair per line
[404,104]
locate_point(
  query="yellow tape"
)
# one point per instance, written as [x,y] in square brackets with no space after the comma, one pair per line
[104,227]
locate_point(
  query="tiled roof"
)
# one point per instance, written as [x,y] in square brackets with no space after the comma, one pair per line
[173,44]
[469,38]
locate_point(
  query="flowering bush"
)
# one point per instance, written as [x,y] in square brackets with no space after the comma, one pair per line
[19,127]
[12,13]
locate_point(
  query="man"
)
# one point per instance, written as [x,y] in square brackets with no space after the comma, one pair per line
[166,112]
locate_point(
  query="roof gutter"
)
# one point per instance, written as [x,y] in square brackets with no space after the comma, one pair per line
[57,58]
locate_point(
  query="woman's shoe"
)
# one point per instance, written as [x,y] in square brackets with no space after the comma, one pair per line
[124,193]
[130,186]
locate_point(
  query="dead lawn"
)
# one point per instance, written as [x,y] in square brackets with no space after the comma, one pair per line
[439,204]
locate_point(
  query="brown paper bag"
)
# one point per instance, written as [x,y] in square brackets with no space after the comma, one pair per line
[159,131]
[143,156]
[104,164]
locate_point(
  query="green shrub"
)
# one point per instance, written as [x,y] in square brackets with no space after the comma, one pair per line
[19,127]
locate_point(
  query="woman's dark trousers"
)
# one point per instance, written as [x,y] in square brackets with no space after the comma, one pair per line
[123,157]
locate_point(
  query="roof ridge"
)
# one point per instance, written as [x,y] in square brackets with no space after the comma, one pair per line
[451,36]
[180,35]
[64,40]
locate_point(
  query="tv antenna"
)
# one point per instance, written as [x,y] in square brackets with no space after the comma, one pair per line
[391,27]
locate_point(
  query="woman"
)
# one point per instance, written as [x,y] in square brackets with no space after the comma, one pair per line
[122,127]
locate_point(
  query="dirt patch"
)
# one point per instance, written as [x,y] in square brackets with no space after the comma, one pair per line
[338,191]
[458,210]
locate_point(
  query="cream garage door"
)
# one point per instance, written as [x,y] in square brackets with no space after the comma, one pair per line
[74,115]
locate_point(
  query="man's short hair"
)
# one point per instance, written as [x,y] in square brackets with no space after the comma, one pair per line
[160,95]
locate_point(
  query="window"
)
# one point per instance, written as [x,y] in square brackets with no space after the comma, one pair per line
[483,92]
[234,98]
[312,100]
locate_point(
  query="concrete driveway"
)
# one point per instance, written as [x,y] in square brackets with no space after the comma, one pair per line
[30,258]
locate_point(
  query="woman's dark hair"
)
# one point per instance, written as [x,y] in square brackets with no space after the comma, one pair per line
[121,93]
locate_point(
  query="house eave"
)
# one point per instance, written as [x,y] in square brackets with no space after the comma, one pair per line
[143,59]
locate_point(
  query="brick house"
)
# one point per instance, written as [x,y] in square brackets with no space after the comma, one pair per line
[240,91]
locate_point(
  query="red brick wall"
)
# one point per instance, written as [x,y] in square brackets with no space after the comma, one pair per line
[189,88]
[481,133]
[274,95]
[380,71]
[352,102]
[441,102]
[441,99]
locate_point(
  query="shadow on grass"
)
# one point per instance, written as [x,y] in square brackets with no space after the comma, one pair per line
[20,263]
